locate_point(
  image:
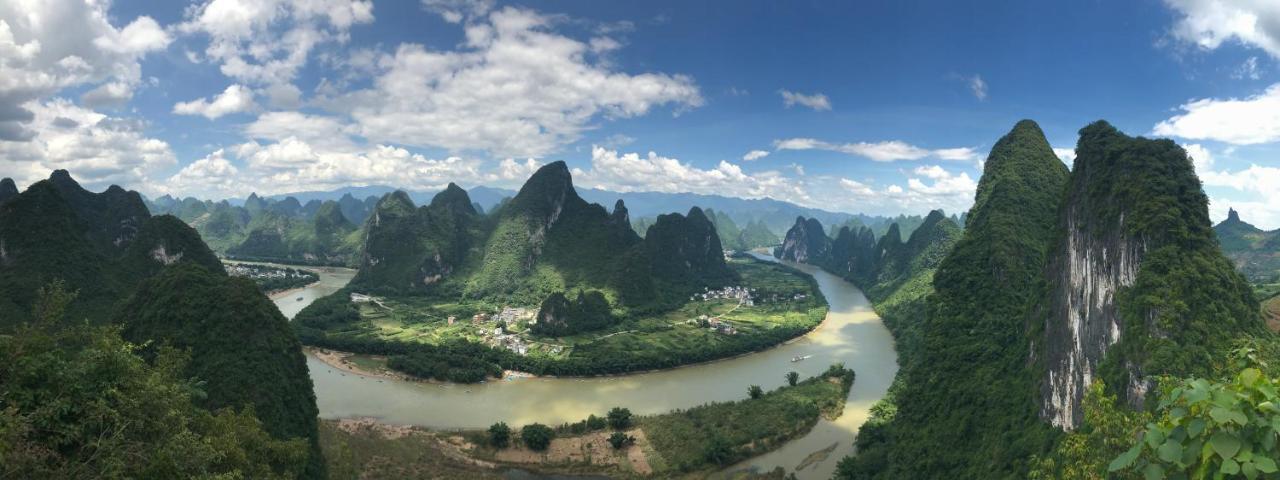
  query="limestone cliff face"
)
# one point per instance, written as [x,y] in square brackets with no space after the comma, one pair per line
[1137,285]
[1092,264]
[806,242]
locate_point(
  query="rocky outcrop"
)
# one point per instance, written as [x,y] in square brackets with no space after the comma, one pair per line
[7,189]
[1137,284]
[560,316]
[806,242]
[1093,264]
[685,248]
[409,248]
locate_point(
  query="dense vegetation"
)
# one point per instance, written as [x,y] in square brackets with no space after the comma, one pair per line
[715,435]
[790,305]
[545,240]
[1187,304]
[967,384]
[558,316]
[241,347]
[100,244]
[81,403]
[162,288]
[972,380]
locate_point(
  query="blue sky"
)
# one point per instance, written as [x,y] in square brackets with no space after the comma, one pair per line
[874,107]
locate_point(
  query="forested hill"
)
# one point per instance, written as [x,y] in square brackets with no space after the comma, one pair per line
[544,240]
[1255,252]
[68,256]
[100,244]
[1105,276]
[1138,286]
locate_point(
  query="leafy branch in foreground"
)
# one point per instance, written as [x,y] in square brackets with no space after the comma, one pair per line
[1207,429]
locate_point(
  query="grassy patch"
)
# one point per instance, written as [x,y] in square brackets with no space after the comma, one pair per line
[683,440]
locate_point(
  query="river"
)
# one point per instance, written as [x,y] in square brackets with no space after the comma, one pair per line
[851,334]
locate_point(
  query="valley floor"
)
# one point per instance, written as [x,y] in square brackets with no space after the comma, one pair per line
[677,444]
[772,304]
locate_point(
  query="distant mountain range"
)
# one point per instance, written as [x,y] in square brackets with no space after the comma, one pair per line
[327,227]
[777,215]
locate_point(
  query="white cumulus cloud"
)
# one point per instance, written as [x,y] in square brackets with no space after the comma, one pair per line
[234,99]
[1238,121]
[49,45]
[98,149]
[633,172]
[514,88]
[1210,23]
[755,155]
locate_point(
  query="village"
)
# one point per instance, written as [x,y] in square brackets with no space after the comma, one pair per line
[508,328]
[264,272]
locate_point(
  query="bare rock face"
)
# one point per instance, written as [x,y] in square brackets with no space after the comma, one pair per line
[1137,284]
[1085,276]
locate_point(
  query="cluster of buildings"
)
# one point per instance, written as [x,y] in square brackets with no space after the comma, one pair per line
[496,335]
[743,295]
[717,325]
[508,315]
[258,272]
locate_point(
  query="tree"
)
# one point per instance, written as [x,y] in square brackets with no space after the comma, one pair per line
[619,440]
[1108,430]
[793,378]
[619,418]
[80,403]
[755,391]
[1205,428]
[537,436]
[718,450]
[500,435]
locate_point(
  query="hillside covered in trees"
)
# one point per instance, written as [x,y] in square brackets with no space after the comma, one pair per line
[210,362]
[1099,279]
[543,241]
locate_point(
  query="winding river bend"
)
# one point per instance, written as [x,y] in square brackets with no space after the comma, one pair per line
[851,333]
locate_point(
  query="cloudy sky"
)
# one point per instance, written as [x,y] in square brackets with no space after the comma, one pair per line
[882,108]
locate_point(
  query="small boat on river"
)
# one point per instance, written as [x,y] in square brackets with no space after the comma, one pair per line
[799,358]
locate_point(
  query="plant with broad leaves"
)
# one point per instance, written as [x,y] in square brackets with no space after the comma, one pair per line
[1206,429]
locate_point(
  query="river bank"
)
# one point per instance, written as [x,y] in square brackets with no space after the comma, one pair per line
[851,333]
[684,443]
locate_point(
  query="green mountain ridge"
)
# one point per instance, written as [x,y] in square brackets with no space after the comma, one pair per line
[543,241]
[155,279]
[1109,271]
